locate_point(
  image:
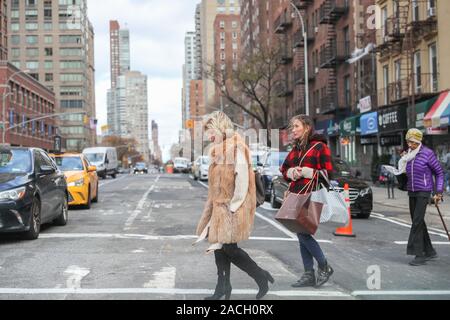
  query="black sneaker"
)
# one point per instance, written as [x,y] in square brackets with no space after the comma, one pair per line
[324,275]
[307,280]
[418,261]
[433,256]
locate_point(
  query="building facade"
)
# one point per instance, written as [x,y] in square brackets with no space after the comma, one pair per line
[189,71]
[120,64]
[413,58]
[132,101]
[54,41]
[156,149]
[27,104]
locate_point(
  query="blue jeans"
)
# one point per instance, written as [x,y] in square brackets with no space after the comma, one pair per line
[447,180]
[310,249]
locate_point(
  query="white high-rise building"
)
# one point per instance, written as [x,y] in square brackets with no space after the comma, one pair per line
[188,72]
[132,105]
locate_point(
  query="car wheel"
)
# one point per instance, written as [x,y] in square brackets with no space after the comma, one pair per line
[363,215]
[88,204]
[273,201]
[113,175]
[62,219]
[95,200]
[35,221]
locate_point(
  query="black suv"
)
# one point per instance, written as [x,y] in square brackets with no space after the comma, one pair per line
[32,192]
[361,196]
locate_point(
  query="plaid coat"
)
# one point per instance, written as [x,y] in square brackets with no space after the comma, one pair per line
[319,158]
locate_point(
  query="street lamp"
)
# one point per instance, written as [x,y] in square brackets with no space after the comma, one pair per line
[305,44]
[6,86]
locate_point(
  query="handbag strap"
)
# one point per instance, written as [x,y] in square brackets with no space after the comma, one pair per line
[304,156]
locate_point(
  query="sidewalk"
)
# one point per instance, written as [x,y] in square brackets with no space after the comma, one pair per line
[401,201]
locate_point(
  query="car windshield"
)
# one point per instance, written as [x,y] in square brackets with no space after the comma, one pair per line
[181,161]
[205,161]
[140,165]
[276,159]
[342,168]
[69,163]
[95,157]
[15,161]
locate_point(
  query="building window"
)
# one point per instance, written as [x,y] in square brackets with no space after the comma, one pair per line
[31,26]
[347,92]
[32,64]
[48,52]
[48,64]
[32,39]
[72,104]
[49,77]
[418,71]
[15,39]
[48,39]
[386,85]
[32,52]
[433,67]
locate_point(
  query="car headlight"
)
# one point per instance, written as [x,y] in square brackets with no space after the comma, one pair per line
[365,192]
[77,183]
[15,194]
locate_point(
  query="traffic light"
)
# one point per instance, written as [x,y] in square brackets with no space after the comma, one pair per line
[85,119]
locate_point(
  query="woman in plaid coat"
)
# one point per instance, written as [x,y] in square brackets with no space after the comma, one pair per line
[316,155]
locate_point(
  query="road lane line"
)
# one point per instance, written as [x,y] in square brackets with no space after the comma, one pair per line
[149,237]
[402,293]
[140,206]
[404,224]
[115,180]
[439,243]
[270,221]
[171,291]
[164,278]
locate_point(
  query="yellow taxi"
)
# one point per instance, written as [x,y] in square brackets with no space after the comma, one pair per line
[81,177]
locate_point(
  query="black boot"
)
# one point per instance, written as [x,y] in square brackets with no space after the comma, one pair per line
[223,287]
[323,275]
[308,279]
[243,261]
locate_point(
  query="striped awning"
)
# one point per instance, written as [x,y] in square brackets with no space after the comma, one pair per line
[439,114]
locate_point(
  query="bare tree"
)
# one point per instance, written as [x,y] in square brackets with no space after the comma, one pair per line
[251,87]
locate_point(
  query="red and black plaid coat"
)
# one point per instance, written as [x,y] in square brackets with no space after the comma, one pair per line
[319,158]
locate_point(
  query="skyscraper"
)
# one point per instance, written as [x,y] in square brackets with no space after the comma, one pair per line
[54,40]
[188,72]
[120,64]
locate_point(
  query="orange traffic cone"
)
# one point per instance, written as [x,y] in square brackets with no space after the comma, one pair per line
[346,231]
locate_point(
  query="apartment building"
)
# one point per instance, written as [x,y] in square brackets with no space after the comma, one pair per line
[412,64]
[54,41]
[189,73]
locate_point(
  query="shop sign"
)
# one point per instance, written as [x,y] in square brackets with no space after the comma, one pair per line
[365,104]
[387,141]
[392,119]
[369,140]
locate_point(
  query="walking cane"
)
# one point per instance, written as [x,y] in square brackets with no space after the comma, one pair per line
[442,218]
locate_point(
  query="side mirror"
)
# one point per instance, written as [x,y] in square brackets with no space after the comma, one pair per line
[92,168]
[46,170]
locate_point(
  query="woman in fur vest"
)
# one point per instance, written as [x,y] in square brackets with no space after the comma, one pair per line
[310,154]
[230,209]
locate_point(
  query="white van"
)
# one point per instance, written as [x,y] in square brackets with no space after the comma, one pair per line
[105,159]
[181,165]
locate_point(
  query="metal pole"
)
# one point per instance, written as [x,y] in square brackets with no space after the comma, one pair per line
[305,43]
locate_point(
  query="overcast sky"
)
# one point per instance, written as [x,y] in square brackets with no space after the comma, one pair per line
[157,29]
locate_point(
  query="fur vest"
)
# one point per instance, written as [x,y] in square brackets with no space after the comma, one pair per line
[226,227]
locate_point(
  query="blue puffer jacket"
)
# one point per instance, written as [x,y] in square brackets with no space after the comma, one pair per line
[421,170]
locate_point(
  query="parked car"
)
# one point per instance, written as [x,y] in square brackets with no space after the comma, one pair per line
[270,167]
[105,159]
[33,191]
[81,177]
[181,165]
[141,168]
[200,168]
[361,195]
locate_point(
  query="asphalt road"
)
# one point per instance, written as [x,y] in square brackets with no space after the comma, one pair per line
[136,243]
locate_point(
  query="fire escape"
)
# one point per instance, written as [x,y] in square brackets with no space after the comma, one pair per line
[399,37]
[332,53]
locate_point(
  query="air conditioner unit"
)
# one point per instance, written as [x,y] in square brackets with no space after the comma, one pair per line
[316,70]
[317,110]
[432,12]
[316,29]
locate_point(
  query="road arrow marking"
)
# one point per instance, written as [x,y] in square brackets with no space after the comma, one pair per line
[76,274]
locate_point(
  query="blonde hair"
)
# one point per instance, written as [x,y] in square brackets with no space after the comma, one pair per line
[219,121]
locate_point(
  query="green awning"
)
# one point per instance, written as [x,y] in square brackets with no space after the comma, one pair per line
[350,126]
[422,109]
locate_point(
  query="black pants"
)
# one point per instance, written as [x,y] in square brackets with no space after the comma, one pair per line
[419,243]
[231,253]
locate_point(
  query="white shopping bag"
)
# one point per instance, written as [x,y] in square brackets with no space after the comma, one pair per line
[335,210]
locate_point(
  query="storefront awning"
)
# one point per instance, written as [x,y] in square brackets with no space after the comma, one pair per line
[422,109]
[350,126]
[439,114]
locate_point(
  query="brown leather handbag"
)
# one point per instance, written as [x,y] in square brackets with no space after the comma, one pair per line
[299,213]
